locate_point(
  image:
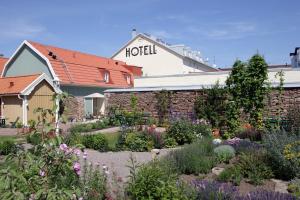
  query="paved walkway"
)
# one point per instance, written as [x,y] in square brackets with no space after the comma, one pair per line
[118,161]
[106,130]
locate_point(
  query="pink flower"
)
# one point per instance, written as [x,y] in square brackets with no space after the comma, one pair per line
[42,173]
[63,147]
[76,168]
[84,155]
[77,152]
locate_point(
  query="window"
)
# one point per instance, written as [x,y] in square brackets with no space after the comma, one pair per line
[106,77]
[128,79]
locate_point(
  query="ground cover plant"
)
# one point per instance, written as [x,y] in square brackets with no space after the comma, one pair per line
[195,158]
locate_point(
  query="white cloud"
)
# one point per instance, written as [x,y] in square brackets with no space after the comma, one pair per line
[224,31]
[164,34]
[20,29]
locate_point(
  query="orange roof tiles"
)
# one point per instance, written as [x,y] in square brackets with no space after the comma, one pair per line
[15,85]
[76,68]
[2,63]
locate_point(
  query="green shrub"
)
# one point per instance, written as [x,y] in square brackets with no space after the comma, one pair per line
[73,139]
[195,158]
[34,138]
[82,128]
[170,142]
[253,166]
[152,182]
[7,147]
[97,142]
[203,130]
[294,187]
[137,142]
[231,174]
[184,131]
[224,153]
[282,167]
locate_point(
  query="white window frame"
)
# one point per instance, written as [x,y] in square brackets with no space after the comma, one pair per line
[128,79]
[106,77]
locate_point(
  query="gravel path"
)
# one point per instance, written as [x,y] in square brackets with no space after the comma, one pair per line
[117,161]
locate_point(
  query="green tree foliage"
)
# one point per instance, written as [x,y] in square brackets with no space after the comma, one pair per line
[247,87]
[256,88]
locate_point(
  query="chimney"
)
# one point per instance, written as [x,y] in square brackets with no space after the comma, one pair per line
[133,33]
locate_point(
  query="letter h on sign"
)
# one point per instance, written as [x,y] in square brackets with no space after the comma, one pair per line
[127,52]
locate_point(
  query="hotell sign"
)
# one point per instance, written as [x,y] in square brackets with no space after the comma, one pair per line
[141,50]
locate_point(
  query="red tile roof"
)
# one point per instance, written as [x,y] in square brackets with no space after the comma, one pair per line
[15,85]
[2,63]
[76,68]
[136,71]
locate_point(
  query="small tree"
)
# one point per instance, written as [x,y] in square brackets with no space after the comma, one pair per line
[235,85]
[256,89]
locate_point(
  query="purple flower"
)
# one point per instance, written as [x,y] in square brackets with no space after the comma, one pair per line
[63,147]
[76,168]
[42,173]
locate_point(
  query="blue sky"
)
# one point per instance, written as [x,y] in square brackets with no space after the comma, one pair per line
[224,30]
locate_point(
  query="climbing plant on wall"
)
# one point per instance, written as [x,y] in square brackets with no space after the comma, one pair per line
[211,107]
[163,98]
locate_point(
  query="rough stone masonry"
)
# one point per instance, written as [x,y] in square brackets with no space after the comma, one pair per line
[182,101]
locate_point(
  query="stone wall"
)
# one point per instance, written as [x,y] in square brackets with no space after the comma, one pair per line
[182,102]
[74,108]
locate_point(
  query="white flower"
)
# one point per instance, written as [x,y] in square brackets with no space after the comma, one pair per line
[217,141]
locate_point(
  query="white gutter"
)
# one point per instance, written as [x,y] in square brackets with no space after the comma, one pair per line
[24,110]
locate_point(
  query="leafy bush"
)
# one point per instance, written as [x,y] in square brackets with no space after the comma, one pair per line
[282,167]
[94,182]
[195,158]
[224,153]
[34,138]
[7,147]
[51,170]
[294,187]
[137,142]
[152,182]
[73,139]
[253,166]
[170,142]
[97,142]
[184,131]
[231,174]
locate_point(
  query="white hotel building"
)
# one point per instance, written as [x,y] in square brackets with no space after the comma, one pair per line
[160,58]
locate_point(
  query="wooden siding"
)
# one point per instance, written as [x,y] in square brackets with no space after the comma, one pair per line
[12,109]
[40,97]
